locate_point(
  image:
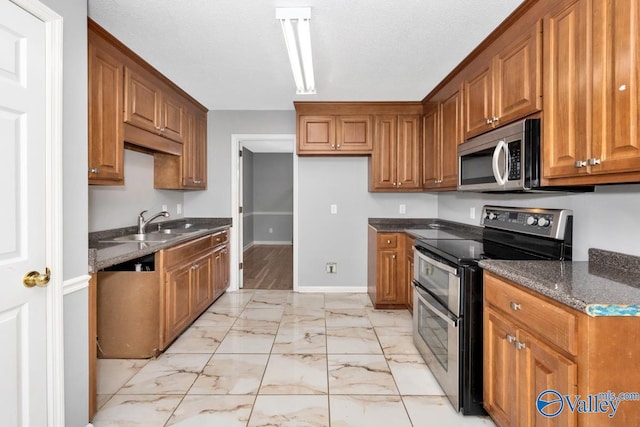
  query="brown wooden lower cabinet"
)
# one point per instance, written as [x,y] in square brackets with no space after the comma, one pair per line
[408,276]
[138,314]
[533,344]
[386,269]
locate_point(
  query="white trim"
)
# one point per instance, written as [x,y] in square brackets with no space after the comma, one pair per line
[76,284]
[248,246]
[236,237]
[333,289]
[53,105]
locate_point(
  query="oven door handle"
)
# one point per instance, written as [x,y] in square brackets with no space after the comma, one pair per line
[451,320]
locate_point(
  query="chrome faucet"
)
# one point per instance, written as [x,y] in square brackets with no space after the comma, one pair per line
[142,223]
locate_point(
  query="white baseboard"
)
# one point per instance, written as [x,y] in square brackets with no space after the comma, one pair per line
[248,246]
[333,289]
[76,284]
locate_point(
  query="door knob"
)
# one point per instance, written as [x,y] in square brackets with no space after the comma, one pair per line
[34,278]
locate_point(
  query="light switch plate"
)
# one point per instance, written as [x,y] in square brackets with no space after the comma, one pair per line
[403,209]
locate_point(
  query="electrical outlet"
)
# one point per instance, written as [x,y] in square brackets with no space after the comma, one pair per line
[164,208]
[179,208]
[403,209]
[332,267]
[270,230]
[334,209]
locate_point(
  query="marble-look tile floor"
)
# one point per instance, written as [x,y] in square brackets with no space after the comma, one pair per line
[278,358]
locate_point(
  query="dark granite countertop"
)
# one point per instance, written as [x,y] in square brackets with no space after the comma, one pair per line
[413,226]
[106,254]
[606,285]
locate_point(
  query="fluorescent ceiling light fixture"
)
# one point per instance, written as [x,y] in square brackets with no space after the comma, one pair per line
[297,36]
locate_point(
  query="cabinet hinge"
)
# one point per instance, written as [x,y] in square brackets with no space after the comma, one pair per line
[240,209]
[240,153]
[240,265]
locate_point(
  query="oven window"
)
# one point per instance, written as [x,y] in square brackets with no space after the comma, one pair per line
[435,279]
[434,332]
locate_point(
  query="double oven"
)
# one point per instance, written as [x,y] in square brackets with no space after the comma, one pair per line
[448,290]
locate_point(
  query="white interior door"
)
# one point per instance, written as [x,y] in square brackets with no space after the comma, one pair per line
[23,246]
[240,218]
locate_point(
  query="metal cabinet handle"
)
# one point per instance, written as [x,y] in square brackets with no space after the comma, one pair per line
[520,345]
[593,161]
[489,121]
[495,119]
[580,164]
[393,256]
[510,339]
[388,242]
[339,145]
[195,266]
[514,306]
[94,170]
[399,183]
[333,146]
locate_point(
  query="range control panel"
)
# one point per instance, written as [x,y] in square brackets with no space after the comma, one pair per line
[540,222]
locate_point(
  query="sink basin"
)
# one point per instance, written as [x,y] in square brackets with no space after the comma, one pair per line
[147,237]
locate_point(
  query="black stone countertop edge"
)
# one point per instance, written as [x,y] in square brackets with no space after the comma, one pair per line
[395,225]
[606,285]
[103,255]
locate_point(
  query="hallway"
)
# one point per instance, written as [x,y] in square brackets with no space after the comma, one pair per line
[268,267]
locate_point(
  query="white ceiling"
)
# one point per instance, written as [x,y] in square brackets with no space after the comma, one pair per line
[230,54]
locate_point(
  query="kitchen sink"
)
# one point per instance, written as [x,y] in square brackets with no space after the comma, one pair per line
[147,237]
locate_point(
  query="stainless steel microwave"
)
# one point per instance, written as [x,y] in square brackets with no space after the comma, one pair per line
[504,159]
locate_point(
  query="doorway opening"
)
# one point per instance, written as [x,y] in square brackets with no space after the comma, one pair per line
[264,205]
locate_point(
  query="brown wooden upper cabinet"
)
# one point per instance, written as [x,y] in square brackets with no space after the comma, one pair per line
[131,101]
[442,132]
[395,162]
[591,93]
[106,137]
[330,134]
[505,86]
[151,107]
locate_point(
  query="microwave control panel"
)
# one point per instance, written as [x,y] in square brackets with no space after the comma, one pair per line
[515,160]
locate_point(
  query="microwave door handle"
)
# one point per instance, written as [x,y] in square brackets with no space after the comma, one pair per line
[502,146]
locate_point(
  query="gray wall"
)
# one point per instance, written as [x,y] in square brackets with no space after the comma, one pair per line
[247,197]
[113,206]
[607,219]
[74,236]
[342,238]
[216,201]
[273,197]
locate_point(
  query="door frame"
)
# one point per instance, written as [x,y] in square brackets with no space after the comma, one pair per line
[53,238]
[236,179]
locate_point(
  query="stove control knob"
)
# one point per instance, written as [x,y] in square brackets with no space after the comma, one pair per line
[531,220]
[492,216]
[544,222]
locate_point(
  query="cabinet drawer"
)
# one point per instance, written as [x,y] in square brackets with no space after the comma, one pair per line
[220,237]
[387,240]
[549,321]
[182,253]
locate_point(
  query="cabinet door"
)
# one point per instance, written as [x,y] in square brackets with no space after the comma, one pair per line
[316,134]
[194,154]
[517,75]
[142,98]
[478,102]
[408,273]
[202,272]
[408,153]
[616,90]
[451,133]
[106,137]
[177,302]
[388,280]
[566,66]
[354,134]
[431,147]
[172,124]
[541,368]
[221,271]
[384,160]
[500,376]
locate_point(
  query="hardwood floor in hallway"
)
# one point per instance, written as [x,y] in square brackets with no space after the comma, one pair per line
[268,267]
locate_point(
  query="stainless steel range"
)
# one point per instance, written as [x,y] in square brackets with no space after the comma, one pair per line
[447,313]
